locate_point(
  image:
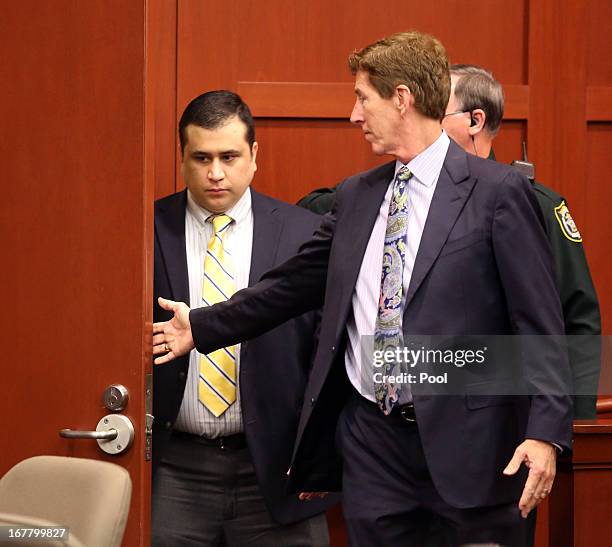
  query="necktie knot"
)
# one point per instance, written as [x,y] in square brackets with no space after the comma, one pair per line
[220,222]
[399,197]
[403,174]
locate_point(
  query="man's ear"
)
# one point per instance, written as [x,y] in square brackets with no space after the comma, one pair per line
[477,122]
[254,149]
[403,98]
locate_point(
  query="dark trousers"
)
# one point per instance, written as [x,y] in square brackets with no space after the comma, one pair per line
[203,495]
[389,495]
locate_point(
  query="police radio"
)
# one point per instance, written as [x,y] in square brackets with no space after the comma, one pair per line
[523,166]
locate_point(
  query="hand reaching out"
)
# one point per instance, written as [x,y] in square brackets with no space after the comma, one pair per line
[173,338]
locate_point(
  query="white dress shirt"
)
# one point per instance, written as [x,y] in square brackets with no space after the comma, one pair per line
[425,169]
[193,416]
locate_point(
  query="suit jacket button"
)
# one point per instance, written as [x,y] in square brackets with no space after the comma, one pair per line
[333,348]
[312,401]
[168,425]
[182,375]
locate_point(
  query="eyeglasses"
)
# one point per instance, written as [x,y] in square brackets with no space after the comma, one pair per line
[455,112]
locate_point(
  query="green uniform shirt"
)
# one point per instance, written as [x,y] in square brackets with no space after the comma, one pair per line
[578,299]
[319,201]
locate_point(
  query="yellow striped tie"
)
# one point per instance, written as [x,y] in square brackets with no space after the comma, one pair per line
[217,385]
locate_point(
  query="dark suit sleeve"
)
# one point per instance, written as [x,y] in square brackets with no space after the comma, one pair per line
[293,288]
[525,266]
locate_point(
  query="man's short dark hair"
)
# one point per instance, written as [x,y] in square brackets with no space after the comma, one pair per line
[477,88]
[212,110]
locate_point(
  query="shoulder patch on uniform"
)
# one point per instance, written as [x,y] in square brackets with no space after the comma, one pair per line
[568,226]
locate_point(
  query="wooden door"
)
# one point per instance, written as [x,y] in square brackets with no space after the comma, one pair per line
[78,173]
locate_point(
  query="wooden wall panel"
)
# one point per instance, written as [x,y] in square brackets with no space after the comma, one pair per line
[599,21]
[557,95]
[289,61]
[597,221]
[570,84]
[334,100]
[328,152]
[592,484]
[597,224]
[598,103]
[161,93]
[310,41]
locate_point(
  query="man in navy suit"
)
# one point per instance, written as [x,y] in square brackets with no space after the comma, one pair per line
[426,245]
[220,471]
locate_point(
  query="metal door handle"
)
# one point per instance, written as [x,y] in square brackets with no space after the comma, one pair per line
[114,434]
[108,435]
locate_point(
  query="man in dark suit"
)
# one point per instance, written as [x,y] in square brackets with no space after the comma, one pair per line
[473,118]
[424,246]
[223,430]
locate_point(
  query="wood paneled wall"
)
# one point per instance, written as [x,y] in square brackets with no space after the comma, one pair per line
[570,122]
[289,61]
[592,171]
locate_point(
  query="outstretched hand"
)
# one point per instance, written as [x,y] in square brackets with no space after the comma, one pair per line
[541,459]
[173,338]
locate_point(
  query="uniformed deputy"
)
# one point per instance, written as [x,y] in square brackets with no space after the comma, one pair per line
[472,119]
[578,298]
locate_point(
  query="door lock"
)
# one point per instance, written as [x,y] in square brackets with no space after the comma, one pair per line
[115,397]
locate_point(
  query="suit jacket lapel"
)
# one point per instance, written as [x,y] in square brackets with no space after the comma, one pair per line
[267,228]
[358,217]
[170,229]
[452,190]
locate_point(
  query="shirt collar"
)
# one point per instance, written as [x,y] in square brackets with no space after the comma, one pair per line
[239,212]
[426,167]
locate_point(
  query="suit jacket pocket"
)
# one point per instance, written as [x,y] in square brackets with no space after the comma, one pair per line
[454,245]
[486,394]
